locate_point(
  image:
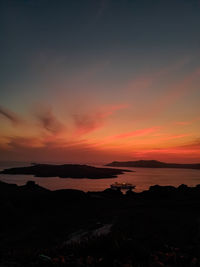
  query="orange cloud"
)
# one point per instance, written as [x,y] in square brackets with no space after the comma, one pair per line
[29,142]
[171,137]
[182,123]
[184,153]
[192,145]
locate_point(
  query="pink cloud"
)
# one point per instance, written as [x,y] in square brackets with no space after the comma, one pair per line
[185,153]
[87,123]
[144,81]
[174,93]
[183,123]
[171,137]
[141,132]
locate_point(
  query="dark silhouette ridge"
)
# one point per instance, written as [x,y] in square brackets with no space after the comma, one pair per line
[157,227]
[152,164]
[66,171]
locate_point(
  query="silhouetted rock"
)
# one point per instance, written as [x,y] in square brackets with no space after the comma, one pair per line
[158,226]
[32,186]
[69,194]
[158,191]
[66,171]
[112,192]
[4,187]
[130,193]
[197,186]
[159,188]
[183,187]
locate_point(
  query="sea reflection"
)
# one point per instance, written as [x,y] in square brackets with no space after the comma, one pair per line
[143,178]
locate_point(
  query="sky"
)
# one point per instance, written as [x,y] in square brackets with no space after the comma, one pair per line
[100,80]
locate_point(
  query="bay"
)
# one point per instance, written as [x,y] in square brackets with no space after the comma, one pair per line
[143,178]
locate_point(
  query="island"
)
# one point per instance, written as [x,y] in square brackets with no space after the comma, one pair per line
[65,171]
[152,164]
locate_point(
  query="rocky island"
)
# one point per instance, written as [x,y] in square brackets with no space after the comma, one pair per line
[66,171]
[152,164]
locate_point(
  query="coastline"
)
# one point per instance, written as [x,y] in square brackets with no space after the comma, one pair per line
[143,178]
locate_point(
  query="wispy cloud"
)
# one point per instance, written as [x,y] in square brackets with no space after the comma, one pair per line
[102,6]
[195,144]
[86,123]
[10,116]
[29,142]
[140,132]
[146,80]
[173,137]
[132,134]
[189,152]
[49,121]
[173,94]
[183,123]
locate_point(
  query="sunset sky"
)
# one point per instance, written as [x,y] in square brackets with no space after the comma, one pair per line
[100,80]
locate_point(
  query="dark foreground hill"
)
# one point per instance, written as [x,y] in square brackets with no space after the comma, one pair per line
[152,164]
[158,227]
[66,171]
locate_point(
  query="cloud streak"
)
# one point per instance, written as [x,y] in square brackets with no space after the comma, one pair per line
[183,123]
[49,122]
[174,93]
[87,123]
[10,116]
[29,142]
[141,132]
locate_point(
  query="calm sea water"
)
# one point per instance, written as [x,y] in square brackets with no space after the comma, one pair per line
[143,178]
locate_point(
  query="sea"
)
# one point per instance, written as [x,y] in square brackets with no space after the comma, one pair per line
[142,178]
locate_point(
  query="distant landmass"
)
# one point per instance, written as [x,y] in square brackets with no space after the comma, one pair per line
[152,164]
[65,171]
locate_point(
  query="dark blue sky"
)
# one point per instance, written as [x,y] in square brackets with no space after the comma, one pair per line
[82,61]
[83,32]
